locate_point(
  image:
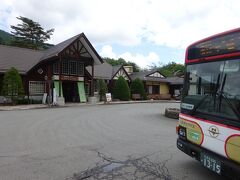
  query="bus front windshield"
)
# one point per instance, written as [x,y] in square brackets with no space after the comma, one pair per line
[212,91]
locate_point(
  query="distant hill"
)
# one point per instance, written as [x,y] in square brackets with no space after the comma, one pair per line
[5,37]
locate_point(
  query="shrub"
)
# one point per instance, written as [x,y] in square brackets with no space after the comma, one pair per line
[121,90]
[102,88]
[12,85]
[23,101]
[34,101]
[137,87]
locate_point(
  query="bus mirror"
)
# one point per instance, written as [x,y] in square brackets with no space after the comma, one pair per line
[229,66]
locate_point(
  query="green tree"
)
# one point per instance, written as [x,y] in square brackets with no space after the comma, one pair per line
[121,90]
[5,37]
[136,68]
[102,88]
[121,61]
[115,62]
[137,87]
[172,69]
[29,34]
[12,84]
[2,41]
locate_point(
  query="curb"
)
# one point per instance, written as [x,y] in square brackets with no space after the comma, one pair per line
[138,102]
[28,107]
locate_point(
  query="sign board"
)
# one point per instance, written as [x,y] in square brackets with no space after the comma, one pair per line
[68,78]
[108,97]
[54,96]
[223,44]
[44,99]
[81,92]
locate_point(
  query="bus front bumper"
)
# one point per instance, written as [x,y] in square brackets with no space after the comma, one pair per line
[230,169]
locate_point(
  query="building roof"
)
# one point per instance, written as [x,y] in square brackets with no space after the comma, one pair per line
[103,71]
[21,58]
[115,69]
[175,80]
[25,59]
[145,76]
[55,50]
[106,71]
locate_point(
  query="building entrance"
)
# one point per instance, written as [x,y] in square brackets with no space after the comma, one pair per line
[70,91]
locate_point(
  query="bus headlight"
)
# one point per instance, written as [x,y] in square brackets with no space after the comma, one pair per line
[182,132]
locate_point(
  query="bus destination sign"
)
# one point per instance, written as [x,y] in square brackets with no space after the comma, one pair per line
[224,44]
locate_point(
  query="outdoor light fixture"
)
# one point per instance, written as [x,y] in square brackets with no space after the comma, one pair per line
[182,132]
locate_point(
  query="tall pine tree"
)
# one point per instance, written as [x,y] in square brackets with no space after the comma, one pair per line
[30,34]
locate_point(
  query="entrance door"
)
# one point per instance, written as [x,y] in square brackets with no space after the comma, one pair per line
[70,91]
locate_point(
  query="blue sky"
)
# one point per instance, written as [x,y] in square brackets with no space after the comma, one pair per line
[143,31]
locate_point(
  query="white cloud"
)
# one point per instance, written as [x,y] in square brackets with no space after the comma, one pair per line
[174,23]
[142,60]
[180,23]
[108,52]
[104,21]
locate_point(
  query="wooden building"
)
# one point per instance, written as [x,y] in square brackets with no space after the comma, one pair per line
[109,74]
[60,70]
[156,85]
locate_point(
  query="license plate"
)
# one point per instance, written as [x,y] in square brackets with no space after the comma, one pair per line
[211,163]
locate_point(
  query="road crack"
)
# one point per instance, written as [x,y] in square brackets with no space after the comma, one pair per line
[130,169]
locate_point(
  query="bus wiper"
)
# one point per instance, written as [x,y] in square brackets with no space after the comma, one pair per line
[198,104]
[221,92]
[222,95]
[215,91]
[236,112]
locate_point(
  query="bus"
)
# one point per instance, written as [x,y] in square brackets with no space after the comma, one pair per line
[208,128]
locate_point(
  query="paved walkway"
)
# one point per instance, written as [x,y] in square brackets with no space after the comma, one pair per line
[40,106]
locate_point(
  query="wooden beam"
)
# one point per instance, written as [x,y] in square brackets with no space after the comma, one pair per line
[78,45]
[81,48]
[60,74]
[71,51]
[92,84]
[76,50]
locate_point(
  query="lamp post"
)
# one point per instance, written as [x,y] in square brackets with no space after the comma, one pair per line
[48,82]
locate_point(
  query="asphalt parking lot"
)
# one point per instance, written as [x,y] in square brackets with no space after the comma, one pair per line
[125,141]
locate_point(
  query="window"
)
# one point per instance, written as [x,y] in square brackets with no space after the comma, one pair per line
[37,87]
[73,67]
[150,91]
[56,68]
[69,68]
[65,67]
[155,89]
[80,68]
[213,90]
